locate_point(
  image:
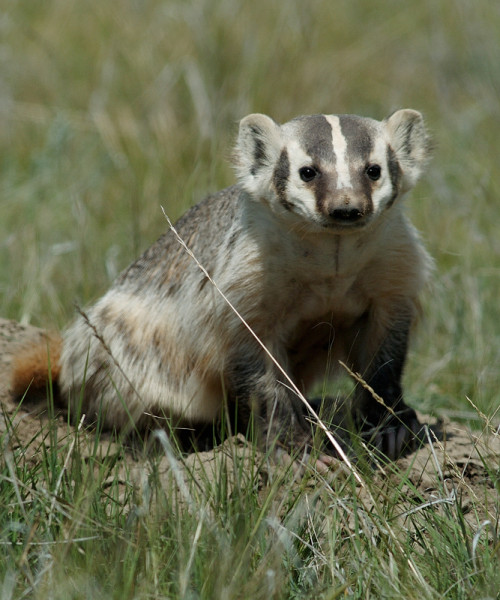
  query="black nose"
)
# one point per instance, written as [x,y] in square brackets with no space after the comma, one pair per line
[347,214]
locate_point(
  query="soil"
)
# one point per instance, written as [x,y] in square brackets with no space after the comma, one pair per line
[461,459]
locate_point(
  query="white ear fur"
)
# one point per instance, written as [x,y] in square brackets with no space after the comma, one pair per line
[257,150]
[411,143]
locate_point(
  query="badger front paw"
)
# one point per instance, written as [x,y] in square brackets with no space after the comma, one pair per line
[393,435]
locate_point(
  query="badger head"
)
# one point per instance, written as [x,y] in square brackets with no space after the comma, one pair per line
[338,172]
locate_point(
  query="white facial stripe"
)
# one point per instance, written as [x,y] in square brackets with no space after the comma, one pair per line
[301,195]
[340,150]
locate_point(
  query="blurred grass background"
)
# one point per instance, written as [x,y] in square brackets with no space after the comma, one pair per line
[110,109]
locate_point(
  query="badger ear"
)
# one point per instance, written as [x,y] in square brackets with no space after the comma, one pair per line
[410,142]
[257,150]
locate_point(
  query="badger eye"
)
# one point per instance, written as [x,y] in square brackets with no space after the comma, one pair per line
[307,173]
[373,172]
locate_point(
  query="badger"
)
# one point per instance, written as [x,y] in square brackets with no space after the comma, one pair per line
[312,248]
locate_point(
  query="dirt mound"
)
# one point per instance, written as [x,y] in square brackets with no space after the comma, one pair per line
[459,461]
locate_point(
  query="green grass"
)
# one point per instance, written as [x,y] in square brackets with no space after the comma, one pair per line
[109,110]
[74,525]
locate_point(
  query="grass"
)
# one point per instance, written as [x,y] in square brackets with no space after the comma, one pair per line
[79,522]
[109,111]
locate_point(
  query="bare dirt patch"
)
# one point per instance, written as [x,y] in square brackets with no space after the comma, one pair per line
[460,461]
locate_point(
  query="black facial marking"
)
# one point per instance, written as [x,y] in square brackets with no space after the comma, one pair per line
[358,136]
[365,187]
[280,178]
[394,174]
[316,138]
[320,188]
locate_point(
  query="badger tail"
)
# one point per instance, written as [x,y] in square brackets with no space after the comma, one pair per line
[36,367]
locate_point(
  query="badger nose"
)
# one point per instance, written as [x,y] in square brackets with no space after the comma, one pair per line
[346,214]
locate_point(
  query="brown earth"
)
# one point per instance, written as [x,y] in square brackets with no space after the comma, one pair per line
[463,461]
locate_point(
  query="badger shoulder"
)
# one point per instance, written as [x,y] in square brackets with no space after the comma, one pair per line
[203,228]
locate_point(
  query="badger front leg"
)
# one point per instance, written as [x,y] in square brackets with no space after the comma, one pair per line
[381,355]
[262,394]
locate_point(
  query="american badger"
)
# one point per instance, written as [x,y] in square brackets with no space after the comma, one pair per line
[312,248]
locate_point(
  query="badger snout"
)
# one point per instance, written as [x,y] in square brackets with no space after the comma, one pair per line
[346,210]
[348,214]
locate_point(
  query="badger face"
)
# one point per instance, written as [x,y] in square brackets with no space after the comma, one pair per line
[336,172]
